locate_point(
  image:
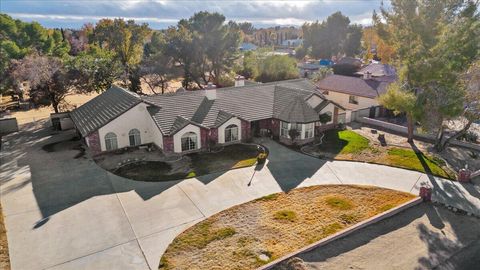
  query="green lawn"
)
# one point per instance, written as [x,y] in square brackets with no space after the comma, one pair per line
[407,158]
[344,142]
[349,145]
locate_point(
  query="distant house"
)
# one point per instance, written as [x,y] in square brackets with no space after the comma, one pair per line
[189,121]
[246,46]
[292,42]
[379,71]
[307,69]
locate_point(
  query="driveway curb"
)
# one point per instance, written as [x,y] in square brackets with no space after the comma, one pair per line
[346,232]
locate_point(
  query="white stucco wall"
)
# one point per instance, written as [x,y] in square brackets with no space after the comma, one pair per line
[221,129]
[137,117]
[329,108]
[343,100]
[314,100]
[177,138]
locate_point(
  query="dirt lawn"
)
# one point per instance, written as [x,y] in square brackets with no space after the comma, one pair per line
[252,234]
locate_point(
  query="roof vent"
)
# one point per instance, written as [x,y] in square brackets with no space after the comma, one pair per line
[211,91]
[239,81]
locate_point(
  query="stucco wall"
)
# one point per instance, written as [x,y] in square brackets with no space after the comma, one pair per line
[314,100]
[137,117]
[329,108]
[343,99]
[177,138]
[231,121]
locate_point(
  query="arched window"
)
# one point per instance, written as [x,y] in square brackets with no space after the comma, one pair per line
[189,141]
[134,137]
[111,141]
[231,133]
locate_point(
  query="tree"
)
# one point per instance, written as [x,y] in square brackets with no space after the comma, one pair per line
[430,57]
[324,118]
[205,46]
[246,27]
[331,37]
[321,74]
[277,68]
[156,71]
[294,134]
[126,39]
[249,67]
[371,41]
[401,100]
[47,77]
[95,69]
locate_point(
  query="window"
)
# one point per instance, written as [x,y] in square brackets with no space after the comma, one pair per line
[134,137]
[284,129]
[309,130]
[296,126]
[111,141]
[353,99]
[231,133]
[189,141]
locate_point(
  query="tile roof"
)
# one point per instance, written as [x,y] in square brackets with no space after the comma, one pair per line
[102,109]
[285,100]
[249,102]
[378,70]
[370,88]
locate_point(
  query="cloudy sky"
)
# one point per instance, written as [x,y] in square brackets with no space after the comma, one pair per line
[163,13]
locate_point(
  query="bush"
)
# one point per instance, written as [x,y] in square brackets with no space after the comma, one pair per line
[285,215]
[469,136]
[277,68]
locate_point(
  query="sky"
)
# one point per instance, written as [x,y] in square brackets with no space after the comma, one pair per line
[160,14]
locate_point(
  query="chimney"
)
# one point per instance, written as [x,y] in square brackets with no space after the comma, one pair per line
[239,81]
[211,91]
[367,75]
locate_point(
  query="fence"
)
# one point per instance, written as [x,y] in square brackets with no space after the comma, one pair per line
[8,125]
[404,131]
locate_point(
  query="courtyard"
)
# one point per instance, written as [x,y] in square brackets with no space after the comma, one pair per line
[107,221]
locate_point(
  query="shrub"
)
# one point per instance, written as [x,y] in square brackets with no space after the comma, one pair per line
[285,215]
[338,202]
[469,136]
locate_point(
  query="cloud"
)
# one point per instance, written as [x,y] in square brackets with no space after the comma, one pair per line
[160,14]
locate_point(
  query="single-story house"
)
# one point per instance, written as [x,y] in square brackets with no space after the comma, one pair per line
[189,121]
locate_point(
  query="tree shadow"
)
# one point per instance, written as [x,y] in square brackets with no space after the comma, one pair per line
[454,245]
[290,168]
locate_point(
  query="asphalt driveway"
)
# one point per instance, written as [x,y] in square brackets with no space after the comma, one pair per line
[62,211]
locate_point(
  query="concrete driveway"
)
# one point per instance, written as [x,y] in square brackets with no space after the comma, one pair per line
[64,212]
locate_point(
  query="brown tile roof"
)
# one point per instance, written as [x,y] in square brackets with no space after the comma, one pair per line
[370,88]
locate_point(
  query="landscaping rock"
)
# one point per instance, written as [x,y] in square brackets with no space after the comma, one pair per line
[263,257]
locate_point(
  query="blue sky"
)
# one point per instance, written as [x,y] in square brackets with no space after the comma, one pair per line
[161,14]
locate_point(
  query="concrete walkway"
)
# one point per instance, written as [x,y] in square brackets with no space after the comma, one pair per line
[64,212]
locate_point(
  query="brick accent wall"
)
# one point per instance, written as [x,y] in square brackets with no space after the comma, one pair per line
[272,124]
[204,136]
[322,128]
[168,144]
[94,142]
[246,130]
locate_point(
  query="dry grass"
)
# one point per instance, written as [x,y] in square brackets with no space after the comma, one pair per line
[4,259]
[275,225]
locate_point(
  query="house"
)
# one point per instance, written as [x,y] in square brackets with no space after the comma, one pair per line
[292,43]
[247,46]
[189,121]
[353,93]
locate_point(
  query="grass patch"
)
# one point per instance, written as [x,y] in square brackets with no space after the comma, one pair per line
[4,258]
[268,197]
[202,235]
[344,142]
[237,237]
[339,203]
[285,215]
[385,207]
[348,145]
[409,159]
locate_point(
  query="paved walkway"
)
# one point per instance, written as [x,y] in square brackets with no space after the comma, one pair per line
[64,212]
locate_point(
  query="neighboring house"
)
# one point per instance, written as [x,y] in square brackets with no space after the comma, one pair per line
[246,46]
[353,93]
[379,71]
[194,120]
[307,69]
[292,42]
